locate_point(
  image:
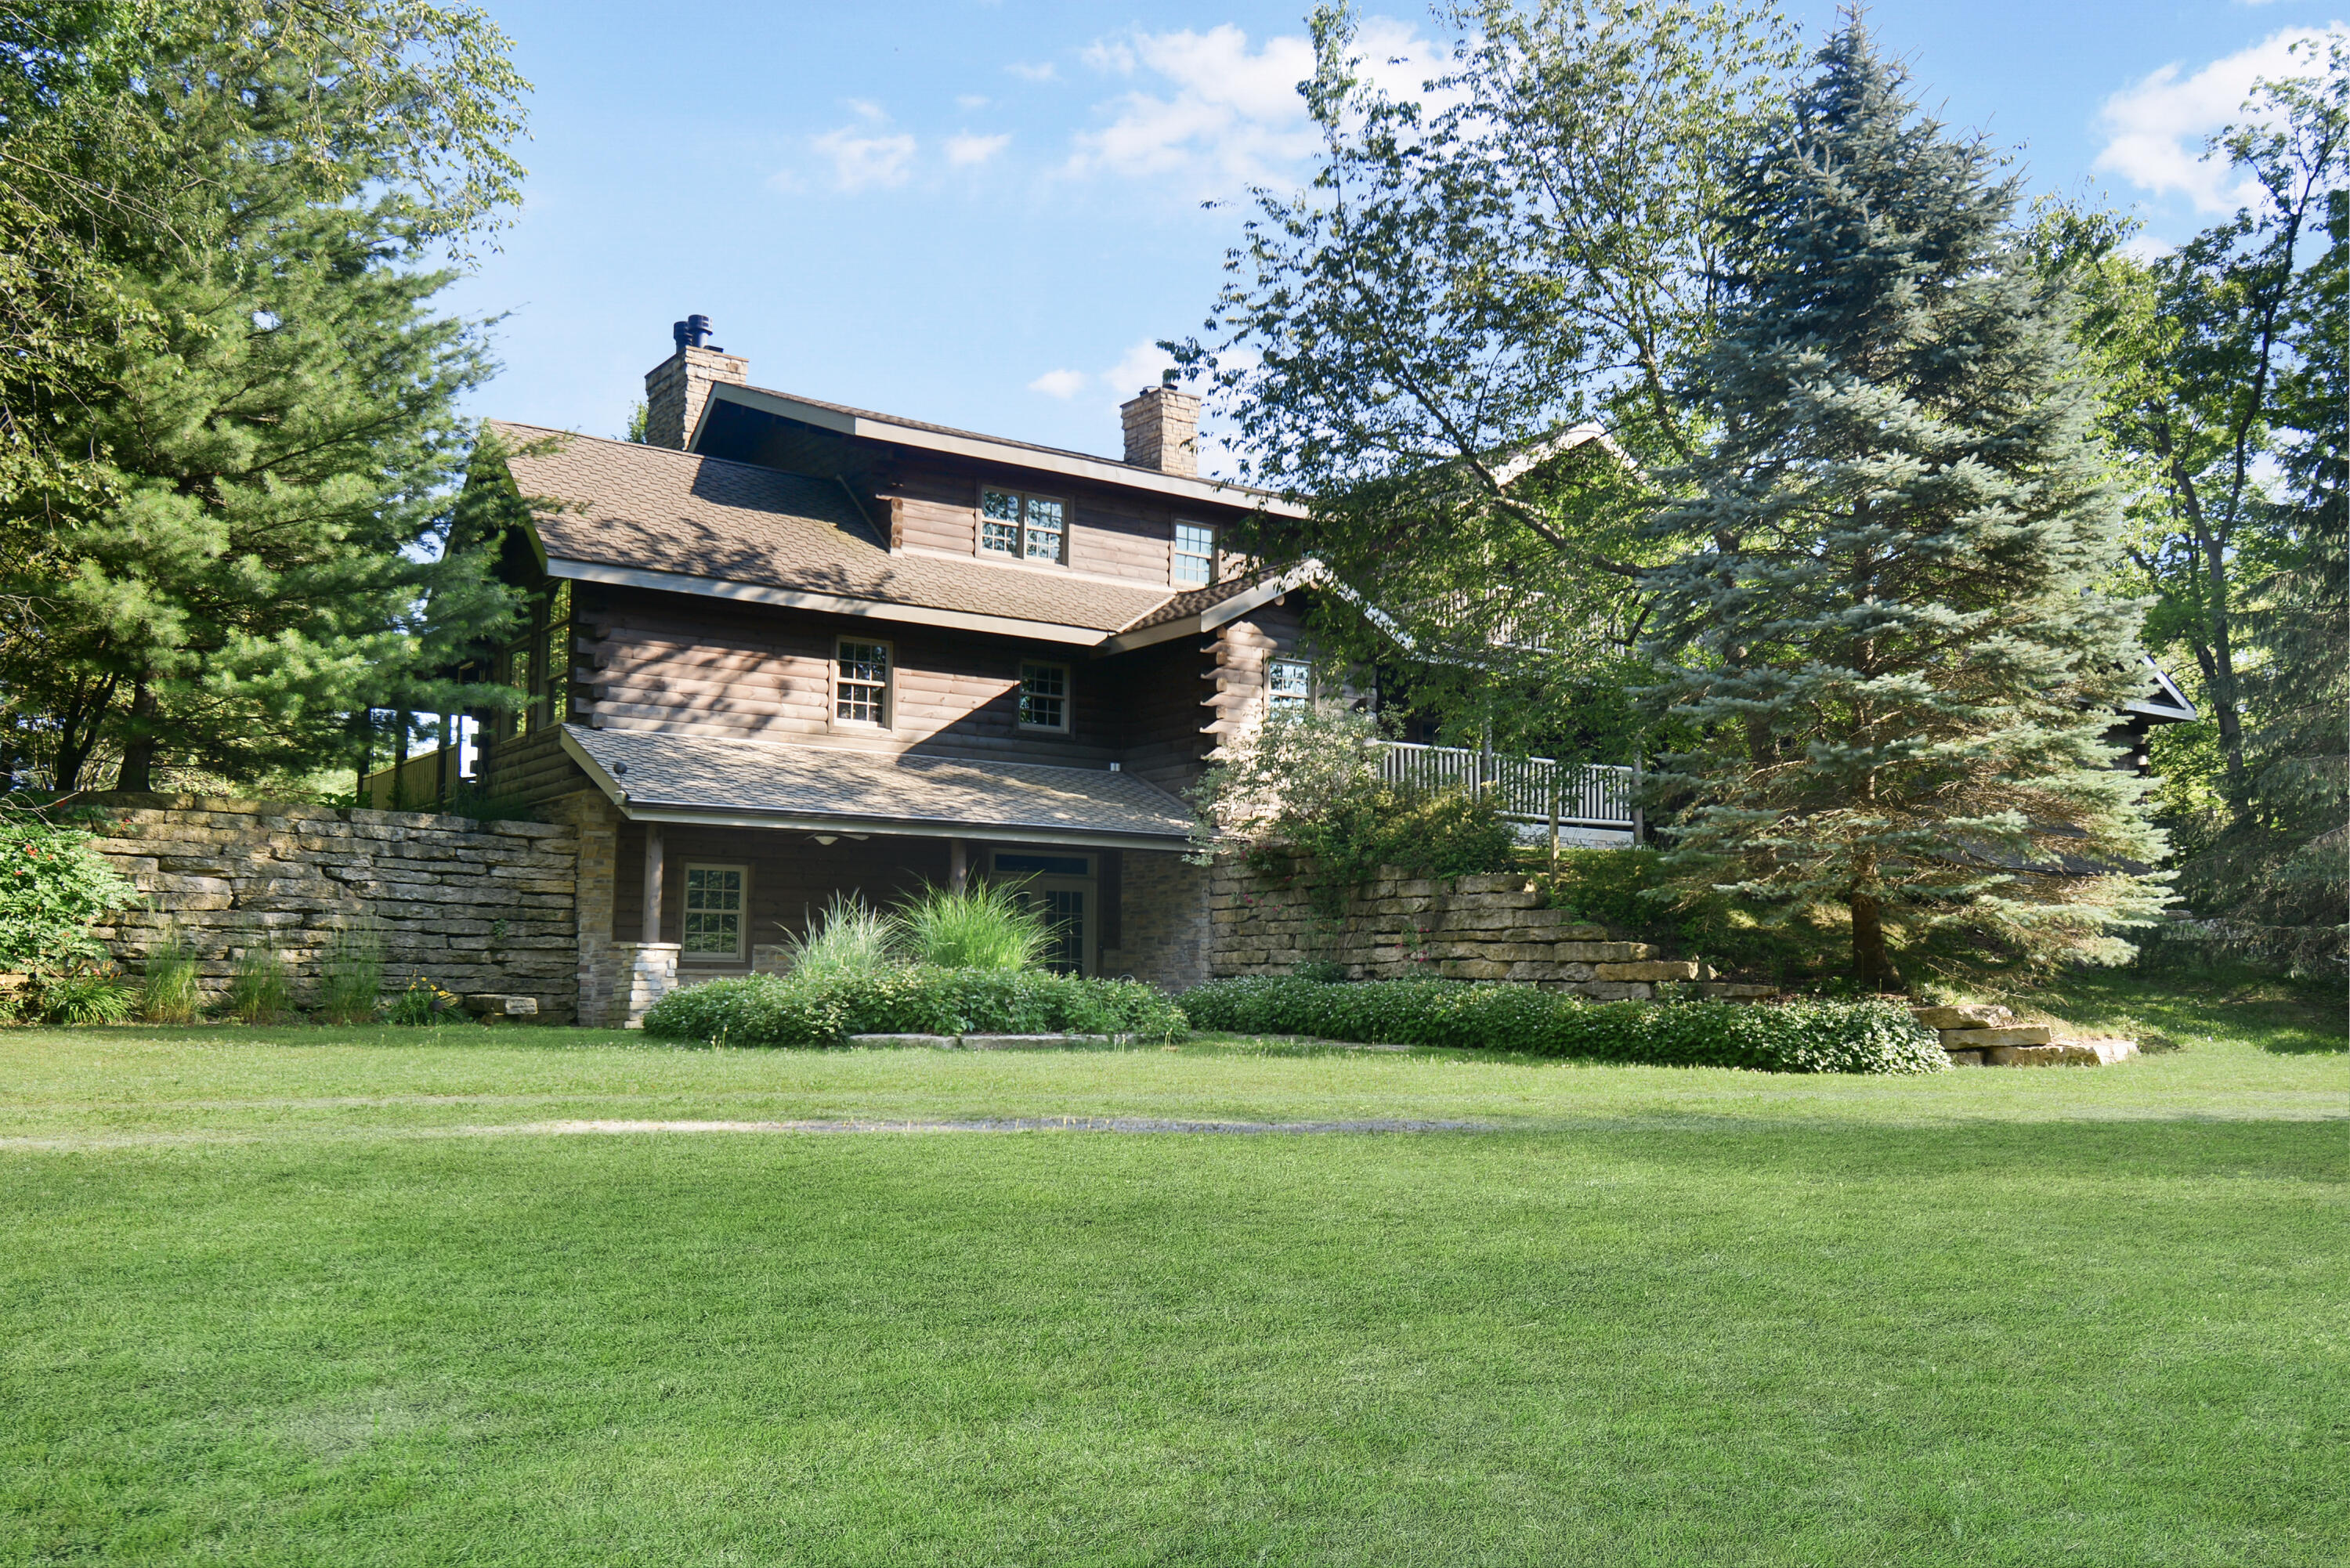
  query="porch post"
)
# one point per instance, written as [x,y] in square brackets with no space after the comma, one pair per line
[958,865]
[651,932]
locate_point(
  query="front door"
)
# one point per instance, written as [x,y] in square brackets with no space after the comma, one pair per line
[1063,888]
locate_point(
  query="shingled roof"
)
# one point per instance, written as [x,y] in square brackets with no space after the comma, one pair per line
[621,511]
[671,776]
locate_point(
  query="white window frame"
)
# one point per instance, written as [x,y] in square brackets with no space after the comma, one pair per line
[1060,557]
[887,700]
[1066,697]
[1176,555]
[1274,697]
[686,913]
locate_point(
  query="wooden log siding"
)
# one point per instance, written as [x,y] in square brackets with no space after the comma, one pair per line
[662,664]
[1111,533]
[791,878]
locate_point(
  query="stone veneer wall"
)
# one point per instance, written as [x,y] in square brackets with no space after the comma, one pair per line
[474,907]
[1163,925]
[1461,927]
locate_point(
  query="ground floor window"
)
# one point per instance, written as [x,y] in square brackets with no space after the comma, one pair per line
[714,913]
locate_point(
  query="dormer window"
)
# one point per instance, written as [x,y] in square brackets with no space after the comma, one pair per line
[1032,527]
[1195,553]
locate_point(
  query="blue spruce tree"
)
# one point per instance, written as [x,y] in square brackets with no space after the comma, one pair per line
[1893,645]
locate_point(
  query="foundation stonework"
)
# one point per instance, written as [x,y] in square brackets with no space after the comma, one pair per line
[474,907]
[1163,922]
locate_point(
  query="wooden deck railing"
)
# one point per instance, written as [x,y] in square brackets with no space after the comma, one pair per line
[1585,794]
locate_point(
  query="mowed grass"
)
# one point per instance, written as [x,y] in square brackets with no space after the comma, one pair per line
[310,1296]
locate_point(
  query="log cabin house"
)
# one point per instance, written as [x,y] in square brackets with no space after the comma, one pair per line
[786,651]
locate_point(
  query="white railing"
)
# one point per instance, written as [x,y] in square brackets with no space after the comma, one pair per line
[1585,794]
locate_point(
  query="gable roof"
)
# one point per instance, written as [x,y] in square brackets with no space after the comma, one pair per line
[618,512]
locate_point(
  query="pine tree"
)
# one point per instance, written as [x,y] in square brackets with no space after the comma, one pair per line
[1895,647]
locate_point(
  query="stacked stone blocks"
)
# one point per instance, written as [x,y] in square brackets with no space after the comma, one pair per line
[474,907]
[1982,1035]
[1460,927]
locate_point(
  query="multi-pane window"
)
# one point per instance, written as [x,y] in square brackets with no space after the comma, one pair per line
[714,912]
[1195,553]
[537,664]
[1291,683]
[1034,527]
[1043,696]
[860,686]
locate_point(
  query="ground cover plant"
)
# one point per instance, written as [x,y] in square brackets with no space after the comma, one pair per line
[353,1294]
[1790,1037]
[826,1007]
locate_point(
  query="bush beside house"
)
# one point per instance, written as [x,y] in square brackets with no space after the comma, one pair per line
[825,1009]
[1792,1037]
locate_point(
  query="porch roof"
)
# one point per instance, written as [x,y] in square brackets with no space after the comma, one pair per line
[667,776]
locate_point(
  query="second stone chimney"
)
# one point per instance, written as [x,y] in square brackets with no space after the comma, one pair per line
[1163,429]
[677,388]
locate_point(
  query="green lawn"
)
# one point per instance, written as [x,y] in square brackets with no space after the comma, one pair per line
[347,1297]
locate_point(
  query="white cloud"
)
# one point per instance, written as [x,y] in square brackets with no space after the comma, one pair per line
[2154,130]
[859,162]
[971,100]
[1219,115]
[964,148]
[1060,383]
[1141,367]
[1047,71]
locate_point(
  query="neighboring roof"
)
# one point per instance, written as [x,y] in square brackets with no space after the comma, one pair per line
[672,776]
[658,518]
[902,431]
[2163,703]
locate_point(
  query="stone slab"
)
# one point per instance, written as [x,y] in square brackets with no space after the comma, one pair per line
[1973,1016]
[1991,1039]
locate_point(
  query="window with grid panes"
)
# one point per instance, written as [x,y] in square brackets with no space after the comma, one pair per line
[1033,527]
[1195,553]
[714,912]
[1290,682]
[1043,696]
[860,693]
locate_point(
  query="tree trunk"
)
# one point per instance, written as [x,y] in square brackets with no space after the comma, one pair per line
[138,771]
[1872,966]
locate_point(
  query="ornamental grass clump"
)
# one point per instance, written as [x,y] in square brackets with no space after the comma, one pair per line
[169,993]
[350,974]
[850,938]
[259,989]
[88,993]
[1793,1038]
[985,925]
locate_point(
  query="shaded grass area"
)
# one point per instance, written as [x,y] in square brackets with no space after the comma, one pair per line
[2183,1006]
[1665,1316]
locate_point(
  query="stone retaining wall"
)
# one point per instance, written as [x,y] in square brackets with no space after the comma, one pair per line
[1461,927]
[474,907]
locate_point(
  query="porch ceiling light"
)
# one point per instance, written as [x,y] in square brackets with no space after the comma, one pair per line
[827,838]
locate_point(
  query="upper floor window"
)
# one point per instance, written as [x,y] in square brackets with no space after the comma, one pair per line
[1290,682]
[1195,553]
[1043,696]
[1034,527]
[860,685]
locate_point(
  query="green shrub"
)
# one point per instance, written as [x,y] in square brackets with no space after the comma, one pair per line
[789,1010]
[985,925]
[170,994]
[88,993]
[259,990]
[350,975]
[54,886]
[849,938]
[1796,1037]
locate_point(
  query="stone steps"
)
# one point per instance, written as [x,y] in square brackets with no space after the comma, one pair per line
[1979,1034]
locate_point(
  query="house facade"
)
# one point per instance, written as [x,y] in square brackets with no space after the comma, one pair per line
[786,651]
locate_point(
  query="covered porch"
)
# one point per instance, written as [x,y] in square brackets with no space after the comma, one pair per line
[721,850]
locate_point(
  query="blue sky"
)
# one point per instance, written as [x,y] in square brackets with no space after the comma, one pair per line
[983,214]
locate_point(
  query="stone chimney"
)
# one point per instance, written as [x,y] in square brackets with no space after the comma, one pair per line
[1162,428]
[677,388]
